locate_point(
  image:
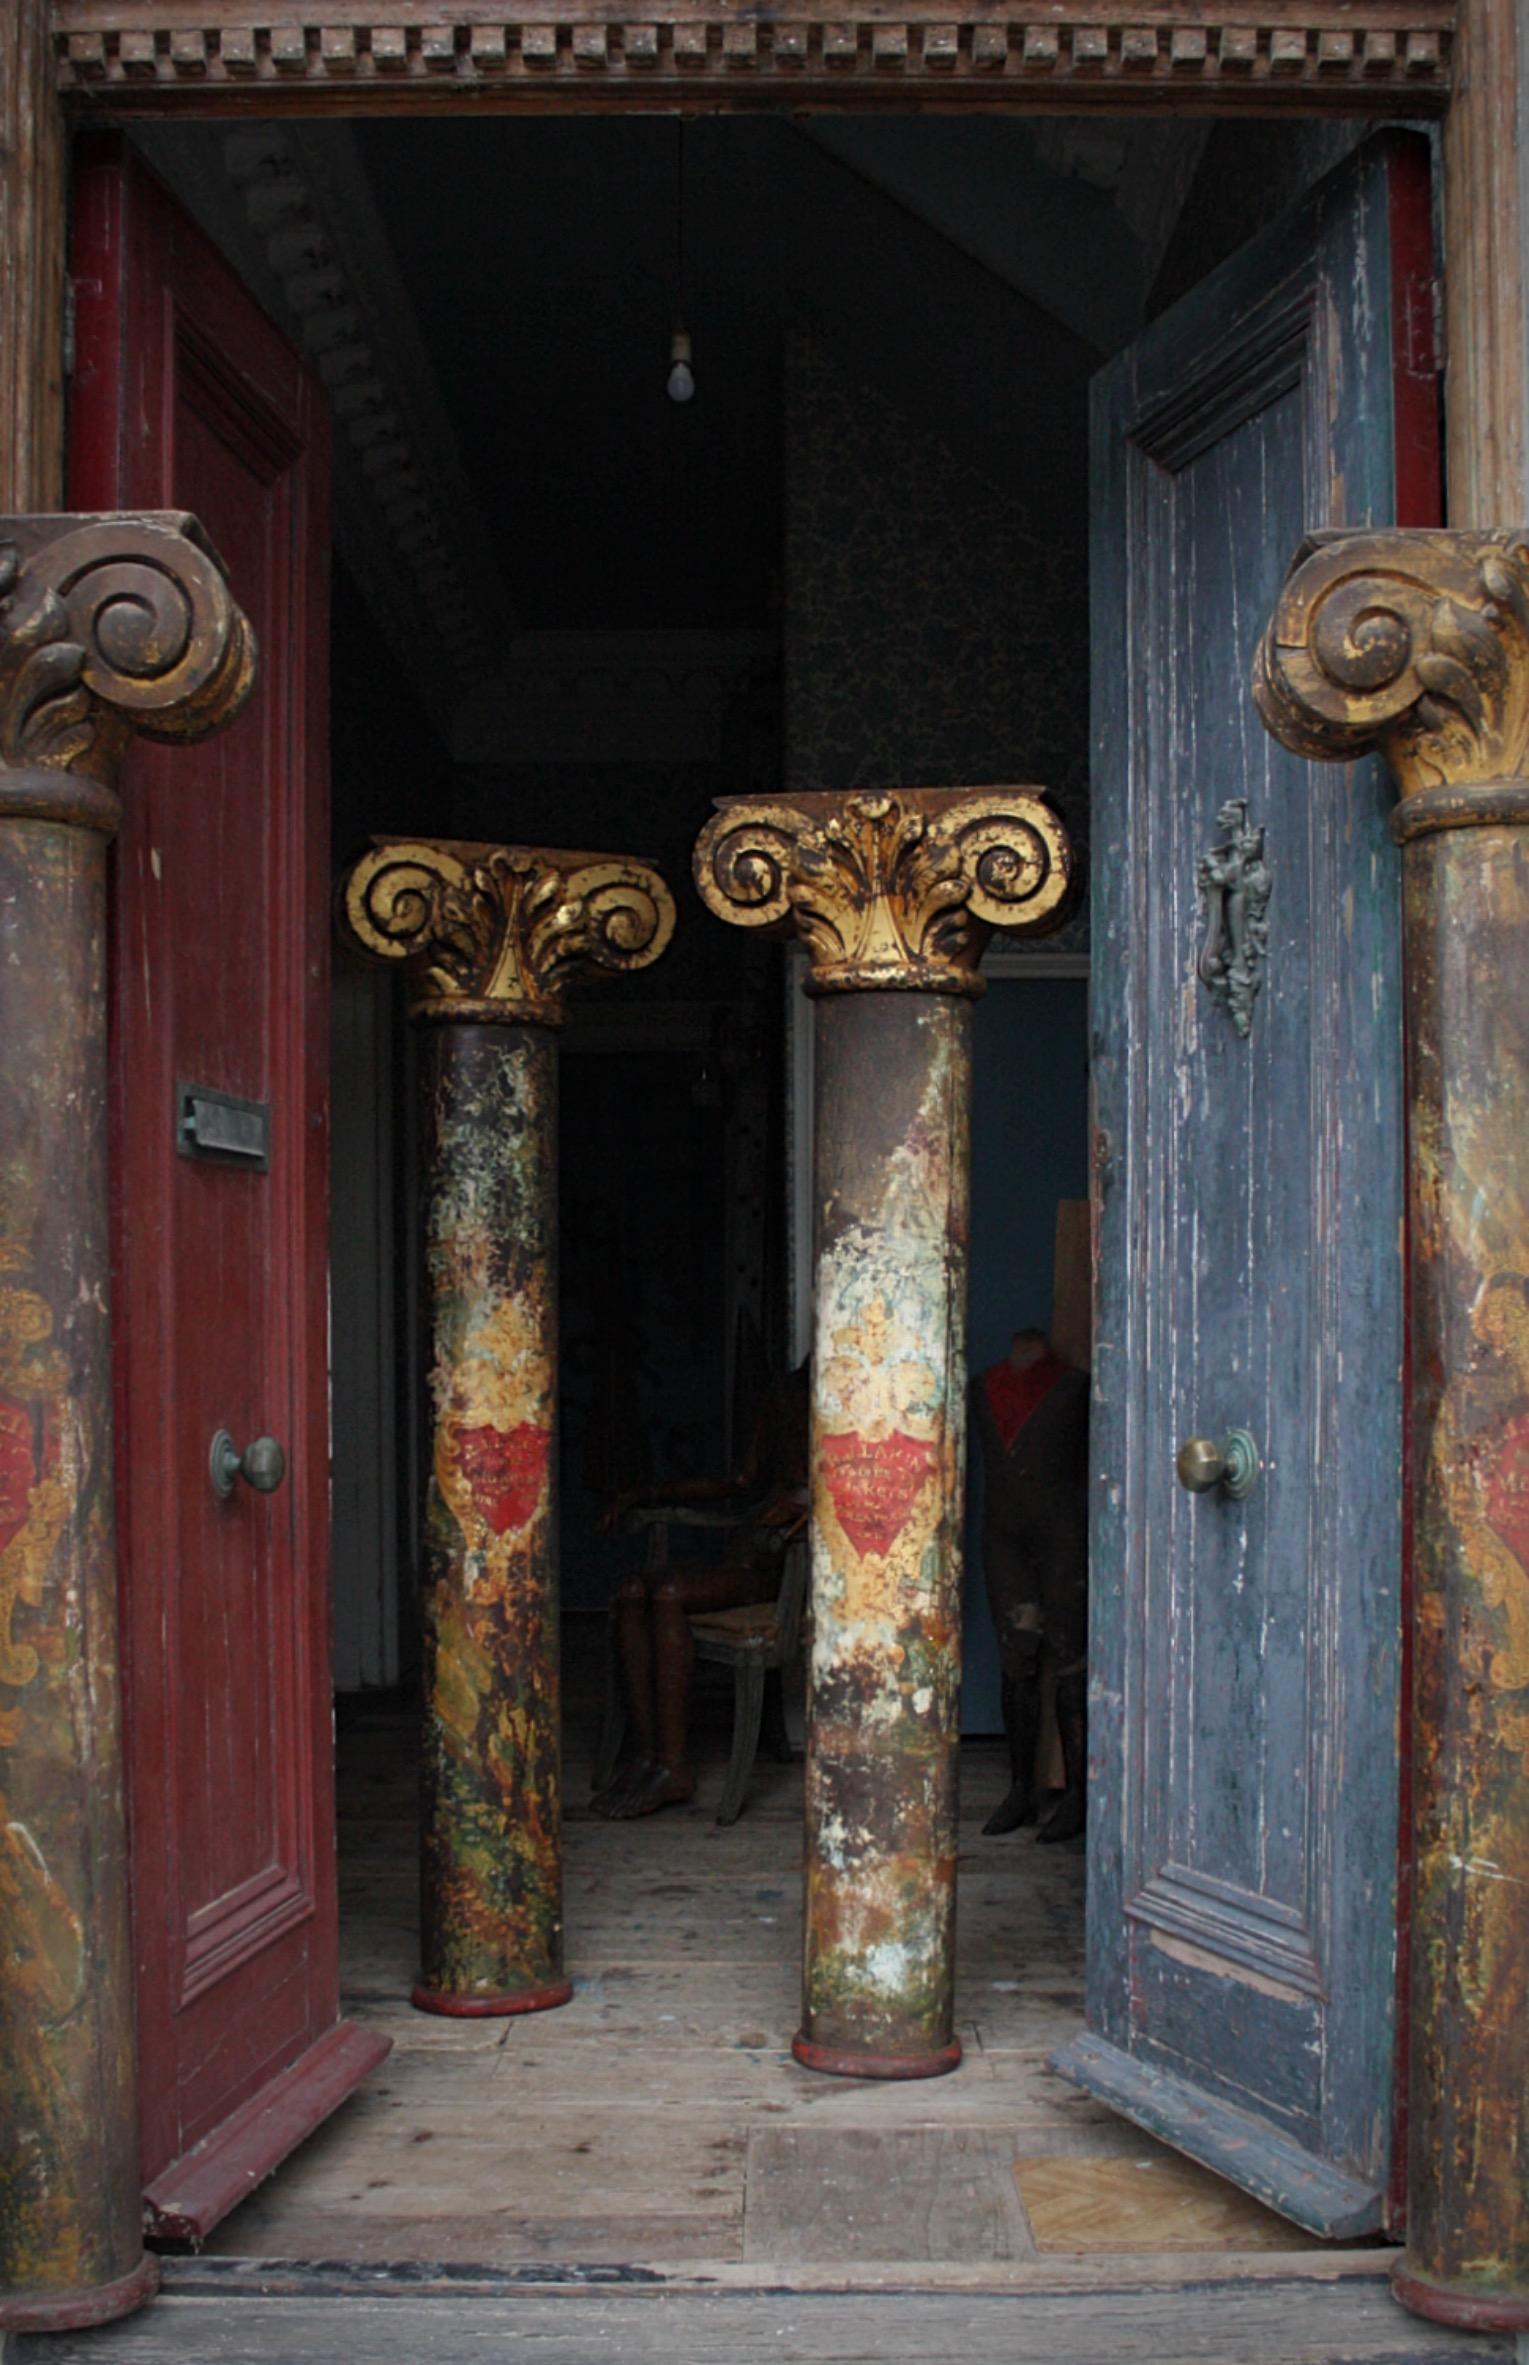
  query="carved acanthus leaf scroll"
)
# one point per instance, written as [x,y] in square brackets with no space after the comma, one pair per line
[890,888]
[496,931]
[110,626]
[1413,642]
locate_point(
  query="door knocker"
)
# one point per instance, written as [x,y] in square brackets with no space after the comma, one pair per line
[1233,880]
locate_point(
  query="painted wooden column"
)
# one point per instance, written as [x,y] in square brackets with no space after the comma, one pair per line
[896,896]
[490,934]
[108,625]
[1418,644]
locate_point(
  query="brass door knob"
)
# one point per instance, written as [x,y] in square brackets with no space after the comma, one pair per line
[1233,1465]
[262,1465]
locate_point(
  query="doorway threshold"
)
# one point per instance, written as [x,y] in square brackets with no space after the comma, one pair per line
[1276,2312]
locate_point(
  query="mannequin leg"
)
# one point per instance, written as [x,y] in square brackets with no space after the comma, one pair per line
[667,1778]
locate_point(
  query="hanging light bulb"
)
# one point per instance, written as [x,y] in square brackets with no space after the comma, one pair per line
[681,376]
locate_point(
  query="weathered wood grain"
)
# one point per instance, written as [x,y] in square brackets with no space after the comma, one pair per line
[33,214]
[1222,55]
[1287,2321]
[1485,298]
[1152,2202]
[909,2193]
[1245,1658]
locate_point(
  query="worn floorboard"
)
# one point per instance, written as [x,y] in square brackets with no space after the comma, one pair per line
[647,2174]
[660,2114]
[836,2194]
[1290,2320]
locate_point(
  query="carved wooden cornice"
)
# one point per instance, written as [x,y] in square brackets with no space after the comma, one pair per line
[896,889]
[1361,56]
[493,933]
[109,625]
[1415,643]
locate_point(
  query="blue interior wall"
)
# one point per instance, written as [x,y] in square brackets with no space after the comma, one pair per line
[1029,1149]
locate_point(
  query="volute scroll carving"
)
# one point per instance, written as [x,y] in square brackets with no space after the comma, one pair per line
[109,626]
[494,932]
[896,889]
[1415,642]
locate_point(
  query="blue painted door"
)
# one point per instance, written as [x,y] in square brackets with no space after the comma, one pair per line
[1245,1697]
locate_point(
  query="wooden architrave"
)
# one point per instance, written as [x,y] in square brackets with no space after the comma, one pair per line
[178,57]
[33,210]
[1064,54]
[1286,57]
[1486,266]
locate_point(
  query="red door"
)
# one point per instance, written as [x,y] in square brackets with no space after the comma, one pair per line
[185,397]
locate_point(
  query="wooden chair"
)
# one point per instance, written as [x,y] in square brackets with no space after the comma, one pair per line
[757,1641]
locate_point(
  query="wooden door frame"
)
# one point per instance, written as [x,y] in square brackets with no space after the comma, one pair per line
[65,62]
[72,61]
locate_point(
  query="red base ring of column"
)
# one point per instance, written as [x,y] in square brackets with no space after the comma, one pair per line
[71,2311]
[1468,2311]
[490,2007]
[837,2062]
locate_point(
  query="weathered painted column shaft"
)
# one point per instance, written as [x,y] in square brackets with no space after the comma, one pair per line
[491,933]
[888,1448]
[1418,643]
[107,625]
[896,896]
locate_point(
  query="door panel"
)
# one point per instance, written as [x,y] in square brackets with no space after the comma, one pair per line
[1244,1717]
[186,397]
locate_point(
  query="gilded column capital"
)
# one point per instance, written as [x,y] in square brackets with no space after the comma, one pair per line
[109,626]
[492,933]
[890,888]
[1414,642]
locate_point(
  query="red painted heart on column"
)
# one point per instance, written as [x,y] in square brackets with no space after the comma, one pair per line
[18,1472]
[505,1470]
[874,1483]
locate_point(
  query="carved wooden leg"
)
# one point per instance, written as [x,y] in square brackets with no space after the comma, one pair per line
[748,1713]
[776,1733]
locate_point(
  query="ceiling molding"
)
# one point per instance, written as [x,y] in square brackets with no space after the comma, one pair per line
[1377,56]
[292,207]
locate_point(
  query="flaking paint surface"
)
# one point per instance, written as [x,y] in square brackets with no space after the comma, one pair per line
[1467,919]
[492,1876]
[888,1440]
[66,2037]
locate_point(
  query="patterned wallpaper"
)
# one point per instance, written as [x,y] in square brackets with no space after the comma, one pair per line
[932,637]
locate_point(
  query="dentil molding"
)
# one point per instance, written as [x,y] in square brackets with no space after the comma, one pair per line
[1357,56]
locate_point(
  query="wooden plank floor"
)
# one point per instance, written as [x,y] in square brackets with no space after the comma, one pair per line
[659,2120]
[646,2174]
[1313,2319]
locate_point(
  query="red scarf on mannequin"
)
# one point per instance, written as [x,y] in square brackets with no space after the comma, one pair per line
[1012,1396]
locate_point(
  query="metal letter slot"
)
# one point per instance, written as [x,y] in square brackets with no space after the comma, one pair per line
[221,1127]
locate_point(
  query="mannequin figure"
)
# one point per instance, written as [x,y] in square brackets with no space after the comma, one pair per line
[1030,1418]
